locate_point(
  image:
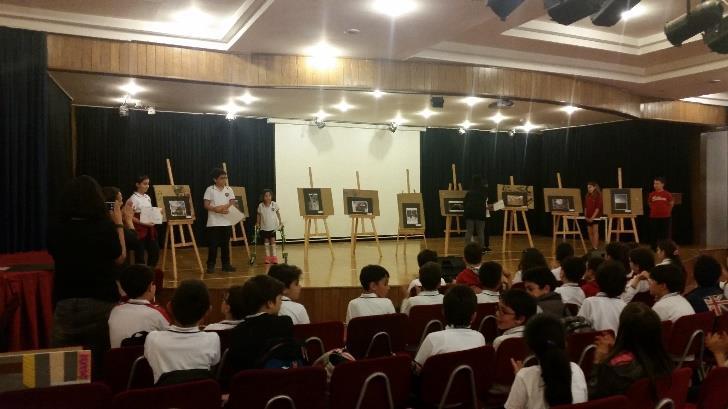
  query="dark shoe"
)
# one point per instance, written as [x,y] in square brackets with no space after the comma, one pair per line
[228,269]
[210,269]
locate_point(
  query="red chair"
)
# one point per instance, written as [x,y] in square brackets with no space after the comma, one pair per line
[320,337]
[688,338]
[377,335]
[125,369]
[82,396]
[666,332]
[372,383]
[482,311]
[191,395]
[423,319]
[721,324]
[641,396]
[456,378]
[612,402]
[515,348]
[277,388]
[580,347]
[713,393]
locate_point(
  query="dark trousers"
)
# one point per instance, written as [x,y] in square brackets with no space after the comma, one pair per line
[218,237]
[476,228]
[659,230]
[151,248]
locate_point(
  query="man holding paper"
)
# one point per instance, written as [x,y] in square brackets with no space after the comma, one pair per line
[219,201]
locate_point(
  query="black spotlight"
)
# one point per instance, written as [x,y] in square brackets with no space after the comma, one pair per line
[570,11]
[611,12]
[701,18]
[503,8]
[437,102]
[716,38]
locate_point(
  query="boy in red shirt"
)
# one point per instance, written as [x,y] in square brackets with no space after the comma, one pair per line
[473,257]
[660,202]
[590,286]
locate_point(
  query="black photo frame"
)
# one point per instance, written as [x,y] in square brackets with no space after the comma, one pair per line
[621,201]
[412,215]
[360,205]
[454,206]
[313,202]
[561,203]
[177,207]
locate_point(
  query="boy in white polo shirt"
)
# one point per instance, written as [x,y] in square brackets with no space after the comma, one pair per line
[572,271]
[218,199]
[430,276]
[666,284]
[491,276]
[374,280]
[290,276]
[515,308]
[604,309]
[232,308]
[138,313]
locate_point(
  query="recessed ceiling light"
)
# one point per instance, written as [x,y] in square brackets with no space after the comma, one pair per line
[131,88]
[248,98]
[193,16]
[635,11]
[466,124]
[497,118]
[230,107]
[394,8]
[343,106]
[398,119]
[470,101]
[377,93]
[322,55]
[426,113]
[528,127]
[570,109]
[352,31]
[321,114]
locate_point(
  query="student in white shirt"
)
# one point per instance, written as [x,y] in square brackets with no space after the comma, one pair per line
[430,276]
[423,257]
[514,309]
[603,310]
[556,380]
[218,199]
[491,276]
[563,251]
[374,280]
[183,346]
[146,232]
[231,308]
[459,307]
[667,252]
[530,258]
[269,221]
[640,259]
[290,276]
[666,285]
[138,313]
[572,271]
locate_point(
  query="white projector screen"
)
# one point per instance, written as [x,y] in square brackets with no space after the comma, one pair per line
[335,153]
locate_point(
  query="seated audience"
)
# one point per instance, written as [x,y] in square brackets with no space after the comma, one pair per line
[590,286]
[514,309]
[638,352]
[530,258]
[183,346]
[563,250]
[138,313]
[640,259]
[667,252]
[490,275]
[619,252]
[459,308]
[290,276]
[555,380]
[604,309]
[666,285]
[572,271]
[262,328]
[231,308]
[718,345]
[430,276]
[708,296]
[473,257]
[540,283]
[374,280]
[423,257]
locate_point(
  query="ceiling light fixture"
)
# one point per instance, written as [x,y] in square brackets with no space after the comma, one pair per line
[636,11]
[716,38]
[702,17]
[393,126]
[151,110]
[377,93]
[394,8]
[471,101]
[527,127]
[462,131]
[497,118]
[466,124]
[131,88]
[321,114]
[343,106]
[398,119]
[322,55]
[426,113]
[503,8]
[247,98]
[570,109]
[124,110]
[612,11]
[231,107]
[230,116]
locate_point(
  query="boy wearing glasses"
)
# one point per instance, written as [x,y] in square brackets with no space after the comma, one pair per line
[218,199]
[514,309]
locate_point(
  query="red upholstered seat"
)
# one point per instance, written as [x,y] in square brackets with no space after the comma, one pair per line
[580,350]
[457,377]
[423,319]
[675,387]
[511,348]
[255,388]
[487,328]
[83,396]
[612,402]
[372,381]
[320,337]
[714,390]
[376,335]
[192,395]
[687,337]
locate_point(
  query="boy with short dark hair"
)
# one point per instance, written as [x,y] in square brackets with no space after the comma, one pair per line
[603,310]
[138,313]
[473,257]
[424,256]
[183,346]
[231,308]
[666,285]
[490,276]
[563,251]
[640,259]
[290,276]
[430,276]
[590,286]
[540,283]
[374,280]
[572,271]
[515,308]
[217,201]
[708,296]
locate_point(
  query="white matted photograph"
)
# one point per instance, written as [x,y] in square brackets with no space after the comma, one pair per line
[360,206]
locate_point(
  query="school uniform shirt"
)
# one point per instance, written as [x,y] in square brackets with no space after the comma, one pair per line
[295,310]
[515,332]
[450,340]
[571,293]
[223,325]
[180,348]
[527,391]
[488,297]
[133,316]
[603,312]
[517,278]
[218,197]
[660,204]
[593,202]
[268,216]
[672,306]
[724,287]
[629,291]
[140,201]
[369,304]
[557,273]
[469,277]
[417,283]
[423,298]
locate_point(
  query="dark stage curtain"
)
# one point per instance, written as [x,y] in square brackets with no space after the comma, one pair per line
[60,159]
[116,149]
[23,140]
[644,149]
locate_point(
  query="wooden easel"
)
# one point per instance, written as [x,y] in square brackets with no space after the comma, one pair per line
[565,224]
[169,240]
[453,186]
[620,218]
[309,220]
[510,224]
[355,218]
[235,237]
[412,231]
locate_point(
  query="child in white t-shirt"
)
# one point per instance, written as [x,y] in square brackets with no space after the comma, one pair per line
[290,276]
[375,282]
[269,221]
[572,271]
[232,308]
[430,276]
[217,200]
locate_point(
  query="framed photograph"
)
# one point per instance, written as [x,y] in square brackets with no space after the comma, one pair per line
[561,203]
[562,200]
[313,202]
[241,200]
[360,205]
[621,201]
[512,199]
[452,202]
[177,207]
[516,196]
[455,206]
[412,215]
[359,202]
[626,202]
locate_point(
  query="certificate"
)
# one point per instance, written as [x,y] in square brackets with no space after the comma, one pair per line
[151,215]
[234,216]
[499,205]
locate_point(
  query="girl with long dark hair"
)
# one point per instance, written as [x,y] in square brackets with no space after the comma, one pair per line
[530,258]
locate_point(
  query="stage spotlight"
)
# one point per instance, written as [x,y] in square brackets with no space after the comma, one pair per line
[611,12]
[716,38]
[570,11]
[702,17]
[230,116]
[462,130]
[503,8]
[124,110]
[151,110]
[393,126]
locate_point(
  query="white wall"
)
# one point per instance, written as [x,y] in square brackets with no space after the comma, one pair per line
[714,152]
[335,153]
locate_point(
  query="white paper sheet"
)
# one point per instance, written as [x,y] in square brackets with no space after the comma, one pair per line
[234,216]
[151,215]
[499,205]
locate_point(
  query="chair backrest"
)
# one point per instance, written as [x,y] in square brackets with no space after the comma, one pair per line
[687,336]
[370,383]
[140,375]
[712,393]
[515,348]
[226,338]
[118,362]
[320,337]
[577,346]
[87,396]
[571,309]
[618,401]
[191,395]
[420,322]
[253,389]
[489,328]
[364,335]
[481,311]
[674,387]
[456,377]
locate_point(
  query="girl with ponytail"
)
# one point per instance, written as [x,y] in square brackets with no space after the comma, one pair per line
[555,380]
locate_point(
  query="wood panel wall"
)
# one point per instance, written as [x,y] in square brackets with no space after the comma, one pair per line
[681,111]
